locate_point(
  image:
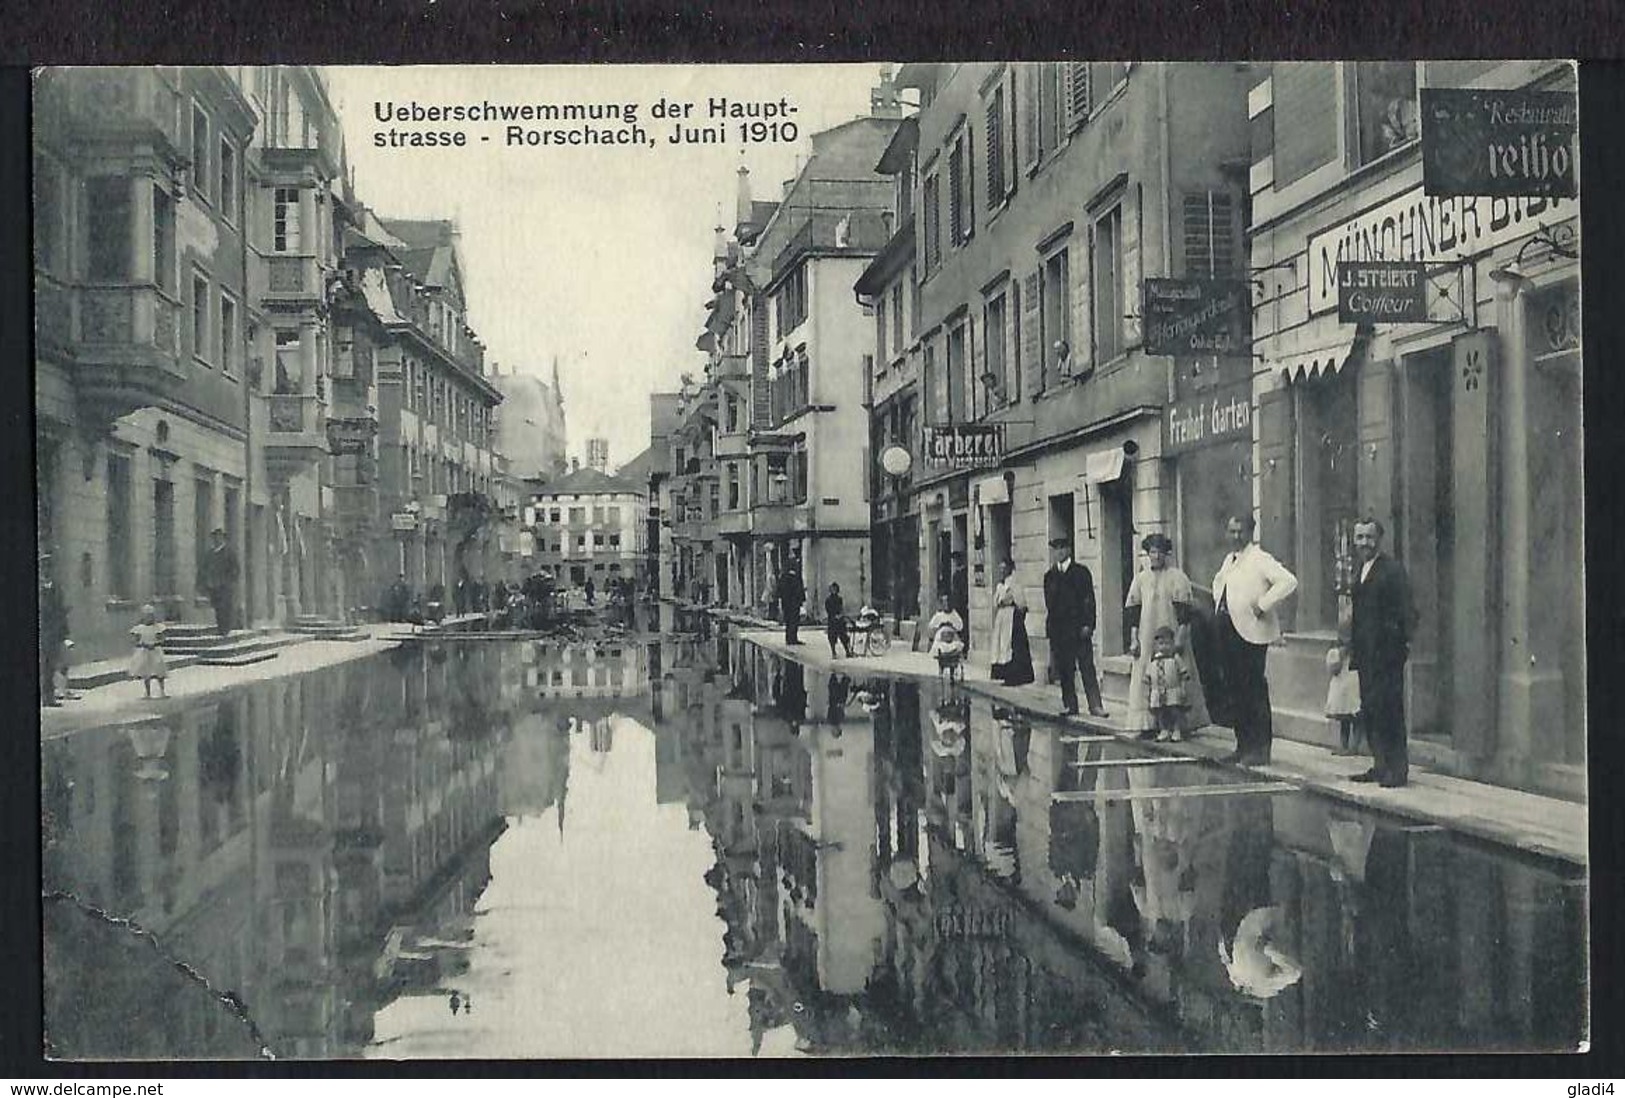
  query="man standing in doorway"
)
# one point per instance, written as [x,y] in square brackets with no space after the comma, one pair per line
[1249,586]
[220,581]
[1069,606]
[959,592]
[1383,617]
[791,595]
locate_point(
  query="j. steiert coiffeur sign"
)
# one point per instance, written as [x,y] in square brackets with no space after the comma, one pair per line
[1381,293]
[1499,143]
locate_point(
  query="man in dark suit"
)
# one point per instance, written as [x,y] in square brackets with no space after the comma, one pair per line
[791,595]
[1069,607]
[219,581]
[959,592]
[1383,617]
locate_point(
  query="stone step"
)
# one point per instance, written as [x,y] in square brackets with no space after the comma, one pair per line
[238,660]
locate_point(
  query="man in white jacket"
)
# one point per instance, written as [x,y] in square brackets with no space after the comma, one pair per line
[1249,586]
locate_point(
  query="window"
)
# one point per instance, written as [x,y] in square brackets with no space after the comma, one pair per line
[897,319]
[107,228]
[1210,246]
[1003,381]
[932,215]
[578,516]
[959,402]
[598,516]
[290,370]
[914,302]
[614,541]
[790,303]
[1108,300]
[1055,316]
[613,516]
[163,239]
[1328,435]
[1043,113]
[120,542]
[880,331]
[228,334]
[1385,107]
[733,486]
[1079,100]
[996,150]
[285,235]
[961,218]
[228,180]
[202,334]
[935,408]
[201,180]
[1104,76]
[553,515]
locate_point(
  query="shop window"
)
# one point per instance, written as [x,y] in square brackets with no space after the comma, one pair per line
[1328,438]
[1385,107]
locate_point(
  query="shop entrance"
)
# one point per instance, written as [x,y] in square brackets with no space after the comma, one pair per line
[1426,541]
[1117,557]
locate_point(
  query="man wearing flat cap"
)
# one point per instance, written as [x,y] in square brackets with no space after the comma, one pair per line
[1069,607]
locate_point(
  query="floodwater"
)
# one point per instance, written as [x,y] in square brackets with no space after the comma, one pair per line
[671,845]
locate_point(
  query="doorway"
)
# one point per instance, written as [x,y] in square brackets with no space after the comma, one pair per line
[1427,541]
[163,530]
[1117,557]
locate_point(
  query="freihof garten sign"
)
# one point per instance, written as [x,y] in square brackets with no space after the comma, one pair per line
[1217,416]
[964,446]
[1196,316]
[1499,143]
[1381,293]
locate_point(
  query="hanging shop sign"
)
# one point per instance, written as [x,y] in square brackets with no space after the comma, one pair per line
[403,521]
[1210,418]
[964,446]
[1381,293]
[1419,228]
[1196,316]
[350,436]
[1507,143]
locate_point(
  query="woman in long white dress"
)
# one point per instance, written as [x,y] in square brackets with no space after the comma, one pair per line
[1012,656]
[1160,596]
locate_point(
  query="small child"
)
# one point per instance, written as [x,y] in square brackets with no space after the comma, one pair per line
[1166,677]
[947,638]
[1343,702]
[149,663]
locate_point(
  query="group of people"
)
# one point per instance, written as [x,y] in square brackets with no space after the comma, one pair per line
[1181,660]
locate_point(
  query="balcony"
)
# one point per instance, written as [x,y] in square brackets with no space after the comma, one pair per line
[295,438]
[777,519]
[123,342]
[732,368]
[122,111]
[293,282]
[733,523]
[294,157]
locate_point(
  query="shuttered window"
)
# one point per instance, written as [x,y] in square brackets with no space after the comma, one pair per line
[1031,77]
[1032,333]
[1210,247]
[1078,99]
[956,192]
[933,222]
[995,149]
[1306,119]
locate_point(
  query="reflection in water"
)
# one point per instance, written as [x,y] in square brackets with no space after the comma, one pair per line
[680,845]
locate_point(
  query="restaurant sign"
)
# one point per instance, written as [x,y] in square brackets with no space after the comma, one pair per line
[1414,227]
[1210,418]
[1381,293]
[1506,143]
[1196,316]
[964,446]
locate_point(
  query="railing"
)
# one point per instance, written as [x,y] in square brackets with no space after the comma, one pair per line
[139,315]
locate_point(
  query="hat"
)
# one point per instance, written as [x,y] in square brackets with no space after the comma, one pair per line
[1060,543]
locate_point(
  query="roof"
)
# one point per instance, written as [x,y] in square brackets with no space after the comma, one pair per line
[901,147]
[638,469]
[590,482]
[428,243]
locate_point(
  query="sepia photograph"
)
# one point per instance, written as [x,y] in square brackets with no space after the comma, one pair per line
[1032,558]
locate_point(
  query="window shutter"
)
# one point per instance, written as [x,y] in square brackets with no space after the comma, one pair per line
[956,192]
[995,149]
[1208,235]
[1131,266]
[1032,353]
[1306,118]
[1082,263]
[1077,93]
[760,409]
[1034,78]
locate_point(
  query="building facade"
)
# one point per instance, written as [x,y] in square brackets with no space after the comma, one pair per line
[1041,195]
[1461,434]
[586,526]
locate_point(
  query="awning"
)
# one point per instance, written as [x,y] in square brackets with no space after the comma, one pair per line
[1328,358]
[993,490]
[1103,466]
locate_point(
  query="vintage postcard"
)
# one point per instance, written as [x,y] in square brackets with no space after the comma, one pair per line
[810,560]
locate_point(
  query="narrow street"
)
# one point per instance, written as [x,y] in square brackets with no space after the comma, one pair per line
[681,843]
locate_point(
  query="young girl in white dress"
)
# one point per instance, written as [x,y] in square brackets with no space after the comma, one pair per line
[149,664]
[1166,682]
[947,630]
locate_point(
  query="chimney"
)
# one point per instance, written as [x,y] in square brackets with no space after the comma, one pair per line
[884,101]
[742,205]
[575,465]
[719,249]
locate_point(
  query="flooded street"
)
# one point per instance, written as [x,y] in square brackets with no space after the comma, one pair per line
[682,846]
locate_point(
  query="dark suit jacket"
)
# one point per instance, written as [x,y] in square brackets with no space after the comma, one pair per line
[959,593]
[791,591]
[1383,617]
[1069,602]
